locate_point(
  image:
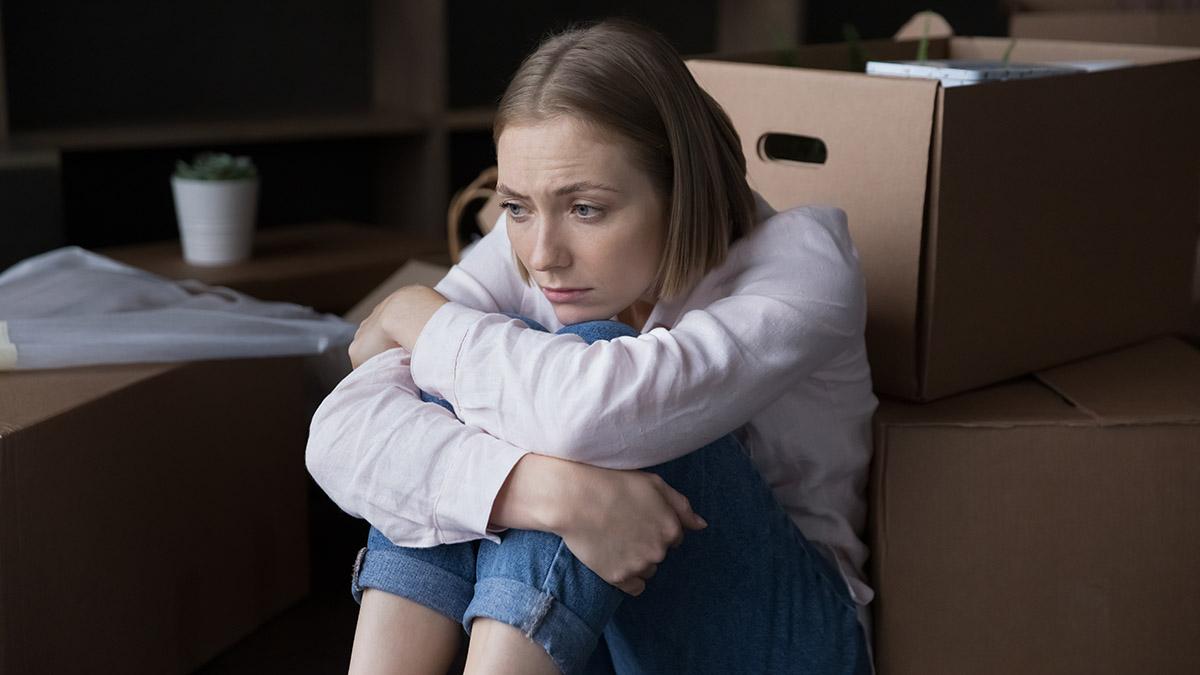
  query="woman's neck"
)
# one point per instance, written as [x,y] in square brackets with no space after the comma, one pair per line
[636,314]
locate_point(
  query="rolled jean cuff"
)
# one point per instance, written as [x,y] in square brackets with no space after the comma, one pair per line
[411,578]
[540,616]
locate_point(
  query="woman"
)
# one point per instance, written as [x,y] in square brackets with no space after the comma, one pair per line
[734,385]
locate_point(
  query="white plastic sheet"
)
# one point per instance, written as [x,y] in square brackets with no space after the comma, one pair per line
[72,307]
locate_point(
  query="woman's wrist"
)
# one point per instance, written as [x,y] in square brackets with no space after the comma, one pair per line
[407,312]
[535,496]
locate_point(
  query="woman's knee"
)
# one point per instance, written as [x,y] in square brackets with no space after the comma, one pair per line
[720,467]
[532,581]
[593,331]
[517,550]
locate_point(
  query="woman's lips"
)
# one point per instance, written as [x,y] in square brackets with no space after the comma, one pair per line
[564,295]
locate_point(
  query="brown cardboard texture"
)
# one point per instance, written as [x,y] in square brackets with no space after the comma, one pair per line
[1002,228]
[150,514]
[412,272]
[1162,27]
[1047,525]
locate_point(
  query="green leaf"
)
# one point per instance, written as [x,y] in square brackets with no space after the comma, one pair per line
[216,166]
[923,45]
[1008,52]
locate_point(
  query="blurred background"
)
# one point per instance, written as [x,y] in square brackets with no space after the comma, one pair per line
[366,111]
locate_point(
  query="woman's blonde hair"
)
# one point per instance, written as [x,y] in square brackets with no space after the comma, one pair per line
[626,78]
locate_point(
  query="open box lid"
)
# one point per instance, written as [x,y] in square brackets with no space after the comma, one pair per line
[1160,27]
[1156,382]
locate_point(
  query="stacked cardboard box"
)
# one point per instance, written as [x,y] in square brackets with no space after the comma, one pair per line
[150,514]
[1031,525]
[1047,525]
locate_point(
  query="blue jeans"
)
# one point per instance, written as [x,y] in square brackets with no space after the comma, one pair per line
[747,594]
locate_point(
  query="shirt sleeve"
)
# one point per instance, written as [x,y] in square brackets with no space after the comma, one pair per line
[408,467]
[797,301]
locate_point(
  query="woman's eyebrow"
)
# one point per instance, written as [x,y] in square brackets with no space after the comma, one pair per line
[583,186]
[505,190]
[579,186]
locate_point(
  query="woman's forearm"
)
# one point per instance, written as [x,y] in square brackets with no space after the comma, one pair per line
[618,523]
[535,495]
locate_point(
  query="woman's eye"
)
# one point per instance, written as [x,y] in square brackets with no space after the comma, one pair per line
[514,209]
[586,211]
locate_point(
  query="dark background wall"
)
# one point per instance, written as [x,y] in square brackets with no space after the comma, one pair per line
[73,62]
[824,19]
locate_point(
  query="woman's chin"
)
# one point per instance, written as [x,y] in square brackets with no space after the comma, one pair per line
[572,315]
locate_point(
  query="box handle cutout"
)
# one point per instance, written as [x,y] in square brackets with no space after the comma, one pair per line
[780,147]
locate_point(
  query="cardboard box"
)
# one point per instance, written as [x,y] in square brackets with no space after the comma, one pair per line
[1162,27]
[150,514]
[412,272]
[1151,26]
[1043,526]
[1003,228]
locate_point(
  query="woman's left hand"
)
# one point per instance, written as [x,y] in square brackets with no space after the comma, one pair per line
[395,322]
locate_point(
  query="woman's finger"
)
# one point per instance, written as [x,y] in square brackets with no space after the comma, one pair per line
[633,587]
[677,537]
[689,518]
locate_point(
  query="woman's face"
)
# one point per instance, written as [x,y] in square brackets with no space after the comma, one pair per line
[586,222]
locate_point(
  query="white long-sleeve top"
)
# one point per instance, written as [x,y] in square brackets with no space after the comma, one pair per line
[768,345]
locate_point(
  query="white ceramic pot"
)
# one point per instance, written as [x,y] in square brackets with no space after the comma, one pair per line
[216,218]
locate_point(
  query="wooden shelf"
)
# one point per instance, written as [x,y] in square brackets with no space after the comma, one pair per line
[329,266]
[210,131]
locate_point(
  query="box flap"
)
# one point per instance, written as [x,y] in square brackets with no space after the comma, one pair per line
[1020,402]
[1072,6]
[1158,381]
[1040,51]
[1163,27]
[1153,383]
[28,397]
[884,200]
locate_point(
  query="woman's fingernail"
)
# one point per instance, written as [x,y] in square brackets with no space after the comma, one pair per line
[703,522]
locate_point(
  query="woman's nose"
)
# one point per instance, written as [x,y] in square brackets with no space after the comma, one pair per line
[549,249]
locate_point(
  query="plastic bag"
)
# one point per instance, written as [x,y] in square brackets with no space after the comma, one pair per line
[72,307]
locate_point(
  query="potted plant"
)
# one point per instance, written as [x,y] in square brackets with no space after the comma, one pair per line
[216,198]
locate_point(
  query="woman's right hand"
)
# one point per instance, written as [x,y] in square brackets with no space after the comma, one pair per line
[622,523]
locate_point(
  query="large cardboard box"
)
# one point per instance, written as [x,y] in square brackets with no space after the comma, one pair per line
[1101,22]
[150,514]
[1003,228]
[1048,525]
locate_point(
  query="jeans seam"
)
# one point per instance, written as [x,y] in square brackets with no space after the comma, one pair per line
[542,608]
[357,569]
